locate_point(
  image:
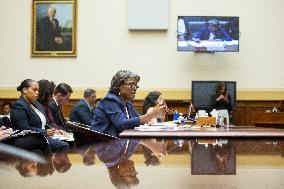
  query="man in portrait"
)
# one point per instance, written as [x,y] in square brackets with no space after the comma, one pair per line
[49,35]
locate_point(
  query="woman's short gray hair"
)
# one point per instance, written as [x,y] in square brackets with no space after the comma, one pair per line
[120,77]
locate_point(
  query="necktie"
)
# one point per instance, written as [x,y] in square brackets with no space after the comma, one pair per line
[60,115]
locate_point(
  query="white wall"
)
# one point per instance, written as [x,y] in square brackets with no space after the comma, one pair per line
[105,46]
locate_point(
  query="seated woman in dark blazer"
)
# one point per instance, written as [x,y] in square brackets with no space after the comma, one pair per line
[28,114]
[115,112]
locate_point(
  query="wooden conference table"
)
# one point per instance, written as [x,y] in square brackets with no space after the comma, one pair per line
[207,132]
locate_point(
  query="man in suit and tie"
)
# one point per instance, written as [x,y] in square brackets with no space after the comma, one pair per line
[48,31]
[61,96]
[82,112]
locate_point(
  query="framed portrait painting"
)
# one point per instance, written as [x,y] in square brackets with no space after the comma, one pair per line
[54,28]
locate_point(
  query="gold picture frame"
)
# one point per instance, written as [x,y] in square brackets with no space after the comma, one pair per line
[54,28]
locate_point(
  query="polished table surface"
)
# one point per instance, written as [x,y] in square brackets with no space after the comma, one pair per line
[211,132]
[154,163]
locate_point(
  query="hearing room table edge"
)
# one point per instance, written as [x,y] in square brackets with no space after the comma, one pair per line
[233,132]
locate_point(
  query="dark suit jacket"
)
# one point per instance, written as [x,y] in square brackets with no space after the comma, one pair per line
[23,117]
[46,35]
[110,116]
[221,105]
[55,116]
[81,113]
[204,34]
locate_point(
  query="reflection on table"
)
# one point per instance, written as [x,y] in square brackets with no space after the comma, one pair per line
[144,163]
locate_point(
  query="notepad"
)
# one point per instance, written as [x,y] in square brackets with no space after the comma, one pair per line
[157,127]
[65,137]
[164,124]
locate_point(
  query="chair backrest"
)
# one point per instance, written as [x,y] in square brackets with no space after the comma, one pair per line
[6,122]
[1,122]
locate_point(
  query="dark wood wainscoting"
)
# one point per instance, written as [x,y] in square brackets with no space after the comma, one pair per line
[251,112]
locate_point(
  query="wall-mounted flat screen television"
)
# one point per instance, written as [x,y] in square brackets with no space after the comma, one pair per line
[208,33]
[202,93]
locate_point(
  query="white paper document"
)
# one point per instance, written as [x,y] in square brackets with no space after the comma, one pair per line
[65,137]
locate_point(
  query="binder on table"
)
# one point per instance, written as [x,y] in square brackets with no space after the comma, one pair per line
[86,131]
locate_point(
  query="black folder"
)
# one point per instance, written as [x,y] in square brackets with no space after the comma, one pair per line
[86,131]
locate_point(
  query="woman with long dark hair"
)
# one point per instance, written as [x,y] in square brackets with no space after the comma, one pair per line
[46,89]
[153,99]
[222,101]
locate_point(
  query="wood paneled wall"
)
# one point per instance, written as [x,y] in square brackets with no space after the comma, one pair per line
[245,113]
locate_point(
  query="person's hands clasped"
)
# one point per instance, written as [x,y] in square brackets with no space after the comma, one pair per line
[51,132]
[58,40]
[221,97]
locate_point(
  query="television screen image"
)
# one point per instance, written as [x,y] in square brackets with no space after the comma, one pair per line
[208,34]
[213,159]
[203,91]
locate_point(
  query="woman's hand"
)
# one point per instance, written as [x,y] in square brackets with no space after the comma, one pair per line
[4,133]
[51,132]
[220,98]
[60,132]
[158,111]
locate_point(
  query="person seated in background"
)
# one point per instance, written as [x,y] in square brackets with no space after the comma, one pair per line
[115,112]
[46,89]
[191,110]
[221,101]
[5,117]
[61,96]
[28,114]
[82,112]
[153,99]
[7,106]
[212,31]
[181,31]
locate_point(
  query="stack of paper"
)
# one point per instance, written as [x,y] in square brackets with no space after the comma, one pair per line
[157,127]
[65,137]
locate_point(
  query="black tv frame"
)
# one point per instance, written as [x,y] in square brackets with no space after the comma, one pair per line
[210,52]
[212,81]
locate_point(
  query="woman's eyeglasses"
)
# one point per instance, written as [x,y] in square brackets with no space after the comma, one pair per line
[132,85]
